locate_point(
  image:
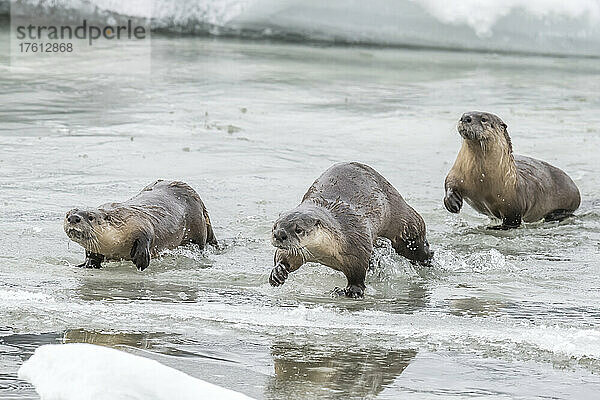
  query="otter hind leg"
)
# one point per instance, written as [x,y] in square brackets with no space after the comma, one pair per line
[511,222]
[414,250]
[92,260]
[201,240]
[558,215]
[200,228]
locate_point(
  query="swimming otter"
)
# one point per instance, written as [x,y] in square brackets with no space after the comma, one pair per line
[340,216]
[163,215]
[501,185]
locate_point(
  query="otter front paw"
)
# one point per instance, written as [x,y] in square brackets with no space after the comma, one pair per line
[453,201]
[278,275]
[140,254]
[354,292]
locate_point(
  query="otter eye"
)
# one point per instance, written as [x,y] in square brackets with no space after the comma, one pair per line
[483,119]
[298,230]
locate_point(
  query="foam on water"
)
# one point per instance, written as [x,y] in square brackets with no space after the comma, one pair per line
[22,295]
[192,318]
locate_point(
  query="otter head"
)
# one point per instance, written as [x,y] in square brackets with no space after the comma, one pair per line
[85,226]
[482,126]
[300,229]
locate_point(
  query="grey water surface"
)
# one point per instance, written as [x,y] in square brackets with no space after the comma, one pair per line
[250,125]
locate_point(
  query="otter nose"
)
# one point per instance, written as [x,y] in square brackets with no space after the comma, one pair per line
[466,118]
[280,235]
[74,219]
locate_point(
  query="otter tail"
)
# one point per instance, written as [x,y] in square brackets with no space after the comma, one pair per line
[210,235]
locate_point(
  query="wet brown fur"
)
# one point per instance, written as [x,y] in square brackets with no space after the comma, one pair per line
[502,185]
[341,215]
[162,216]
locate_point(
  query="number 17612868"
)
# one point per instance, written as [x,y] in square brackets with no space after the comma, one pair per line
[46,47]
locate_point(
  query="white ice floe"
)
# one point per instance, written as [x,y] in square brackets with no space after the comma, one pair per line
[535,26]
[80,371]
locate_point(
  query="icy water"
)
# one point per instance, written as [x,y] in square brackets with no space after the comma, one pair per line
[250,125]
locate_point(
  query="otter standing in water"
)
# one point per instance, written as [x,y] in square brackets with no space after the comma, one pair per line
[497,183]
[162,216]
[340,216]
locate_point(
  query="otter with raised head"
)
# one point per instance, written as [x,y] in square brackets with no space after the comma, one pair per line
[340,216]
[503,185]
[162,216]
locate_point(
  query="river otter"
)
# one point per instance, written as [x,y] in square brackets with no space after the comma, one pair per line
[163,215]
[340,216]
[497,183]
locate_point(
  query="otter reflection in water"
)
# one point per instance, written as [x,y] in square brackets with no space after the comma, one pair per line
[142,340]
[307,371]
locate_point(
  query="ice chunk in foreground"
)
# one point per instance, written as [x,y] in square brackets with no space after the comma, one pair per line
[80,371]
